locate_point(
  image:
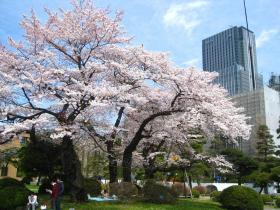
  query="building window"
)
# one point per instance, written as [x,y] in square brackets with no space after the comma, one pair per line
[4,171]
[23,140]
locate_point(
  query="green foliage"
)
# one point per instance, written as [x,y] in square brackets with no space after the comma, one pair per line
[7,156]
[92,187]
[195,193]
[277,202]
[243,165]
[157,193]
[40,158]
[201,189]
[261,179]
[265,143]
[266,198]
[215,196]
[9,182]
[123,190]
[198,171]
[97,165]
[239,197]
[12,197]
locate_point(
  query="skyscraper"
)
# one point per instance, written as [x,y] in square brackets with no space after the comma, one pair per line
[232,53]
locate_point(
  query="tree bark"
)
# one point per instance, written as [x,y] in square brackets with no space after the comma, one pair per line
[113,167]
[126,164]
[127,155]
[72,170]
[239,181]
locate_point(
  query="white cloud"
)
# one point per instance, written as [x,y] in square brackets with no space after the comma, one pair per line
[192,62]
[265,36]
[186,15]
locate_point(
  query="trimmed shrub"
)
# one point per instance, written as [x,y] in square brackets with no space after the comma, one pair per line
[266,198]
[13,197]
[179,189]
[239,197]
[211,188]
[195,193]
[277,202]
[215,196]
[123,190]
[8,182]
[157,193]
[201,189]
[92,187]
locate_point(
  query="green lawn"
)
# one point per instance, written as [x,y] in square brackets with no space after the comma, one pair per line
[180,205]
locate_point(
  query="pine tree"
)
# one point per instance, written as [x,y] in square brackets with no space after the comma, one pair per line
[265,143]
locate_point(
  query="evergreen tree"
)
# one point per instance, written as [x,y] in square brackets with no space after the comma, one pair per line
[265,143]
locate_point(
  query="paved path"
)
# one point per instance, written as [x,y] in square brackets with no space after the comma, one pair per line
[270,208]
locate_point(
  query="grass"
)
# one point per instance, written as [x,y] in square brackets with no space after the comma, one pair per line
[33,188]
[183,204]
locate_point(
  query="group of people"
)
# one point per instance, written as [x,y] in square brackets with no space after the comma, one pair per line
[56,191]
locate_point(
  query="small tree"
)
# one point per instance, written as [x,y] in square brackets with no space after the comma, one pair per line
[261,179]
[275,176]
[265,143]
[39,159]
[243,165]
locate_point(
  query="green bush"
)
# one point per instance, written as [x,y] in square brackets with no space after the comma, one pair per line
[13,197]
[8,182]
[92,187]
[215,196]
[123,190]
[195,193]
[211,188]
[201,189]
[157,193]
[239,197]
[277,202]
[266,198]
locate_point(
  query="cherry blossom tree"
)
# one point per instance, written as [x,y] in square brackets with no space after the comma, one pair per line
[57,72]
[77,75]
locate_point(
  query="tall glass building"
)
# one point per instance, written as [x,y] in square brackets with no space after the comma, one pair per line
[228,53]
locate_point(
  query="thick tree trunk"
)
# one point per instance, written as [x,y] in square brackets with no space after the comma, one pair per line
[72,170]
[126,164]
[190,182]
[113,166]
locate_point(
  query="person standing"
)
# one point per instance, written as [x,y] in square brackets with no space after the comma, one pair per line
[54,194]
[60,194]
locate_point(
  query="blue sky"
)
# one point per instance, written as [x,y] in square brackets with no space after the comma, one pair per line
[175,26]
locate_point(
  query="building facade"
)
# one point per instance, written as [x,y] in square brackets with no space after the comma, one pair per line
[7,169]
[263,108]
[230,53]
[274,82]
